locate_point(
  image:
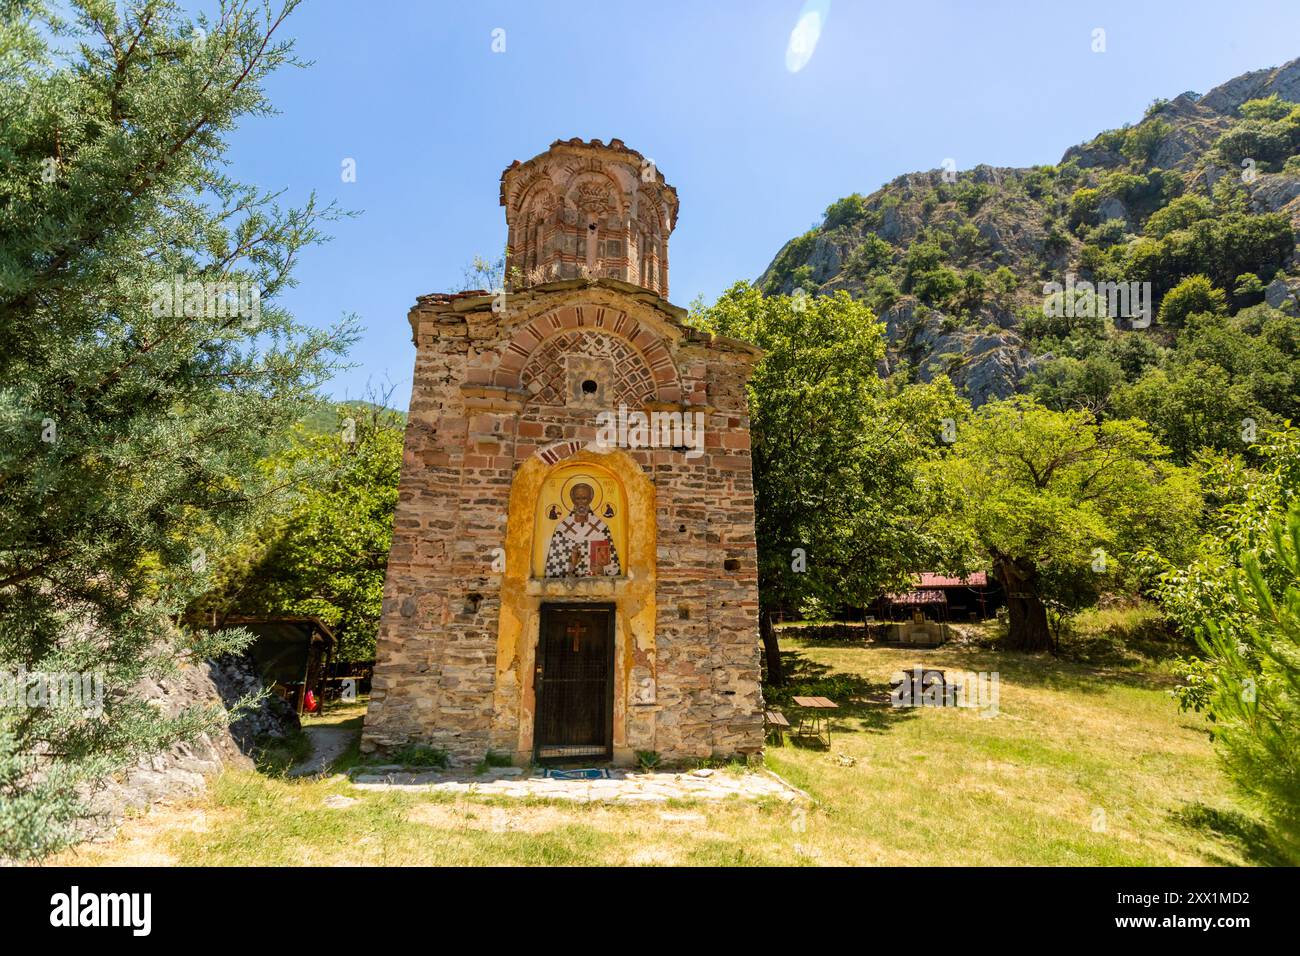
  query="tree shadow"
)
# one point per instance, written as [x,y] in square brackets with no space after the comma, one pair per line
[864,705]
[1039,670]
[1053,673]
[1245,833]
[837,634]
[830,643]
[1042,670]
[1131,652]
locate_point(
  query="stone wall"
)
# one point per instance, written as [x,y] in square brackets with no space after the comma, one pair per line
[452,670]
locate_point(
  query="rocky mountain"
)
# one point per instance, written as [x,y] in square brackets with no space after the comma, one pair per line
[955,263]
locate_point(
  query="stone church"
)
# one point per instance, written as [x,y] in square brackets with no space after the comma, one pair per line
[573,574]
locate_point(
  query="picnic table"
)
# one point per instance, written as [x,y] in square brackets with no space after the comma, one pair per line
[815,719]
[917,688]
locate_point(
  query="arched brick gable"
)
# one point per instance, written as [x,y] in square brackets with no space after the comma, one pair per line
[611,321]
[545,377]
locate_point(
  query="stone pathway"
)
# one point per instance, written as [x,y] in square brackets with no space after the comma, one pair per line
[623,786]
[327,745]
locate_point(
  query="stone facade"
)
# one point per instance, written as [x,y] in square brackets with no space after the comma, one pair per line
[509,390]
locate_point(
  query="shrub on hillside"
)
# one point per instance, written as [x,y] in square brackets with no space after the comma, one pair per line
[1193,296]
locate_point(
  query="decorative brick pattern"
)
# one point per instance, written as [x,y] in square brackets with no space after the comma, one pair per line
[554,454]
[613,333]
[584,209]
[543,377]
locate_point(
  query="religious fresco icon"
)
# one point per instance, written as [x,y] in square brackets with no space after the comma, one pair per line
[579,532]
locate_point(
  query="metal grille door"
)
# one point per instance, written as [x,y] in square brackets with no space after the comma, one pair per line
[574,683]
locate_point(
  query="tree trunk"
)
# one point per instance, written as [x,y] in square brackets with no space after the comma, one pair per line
[771,649]
[1025,608]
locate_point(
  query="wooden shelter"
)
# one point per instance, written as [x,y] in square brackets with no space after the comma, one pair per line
[938,597]
[292,655]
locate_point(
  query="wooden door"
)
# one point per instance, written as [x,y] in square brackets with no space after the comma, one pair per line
[575,683]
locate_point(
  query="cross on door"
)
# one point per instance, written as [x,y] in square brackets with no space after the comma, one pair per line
[575,631]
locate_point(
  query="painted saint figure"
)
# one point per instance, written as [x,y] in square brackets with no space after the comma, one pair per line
[581,545]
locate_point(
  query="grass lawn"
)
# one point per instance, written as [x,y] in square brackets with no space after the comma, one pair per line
[1082,765]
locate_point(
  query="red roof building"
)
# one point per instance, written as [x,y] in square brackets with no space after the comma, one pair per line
[977,580]
[943,598]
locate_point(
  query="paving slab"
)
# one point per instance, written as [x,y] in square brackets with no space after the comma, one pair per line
[622,786]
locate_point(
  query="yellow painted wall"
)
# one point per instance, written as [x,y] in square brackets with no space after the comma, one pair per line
[523,592]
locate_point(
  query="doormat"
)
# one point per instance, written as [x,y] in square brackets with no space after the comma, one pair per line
[587,773]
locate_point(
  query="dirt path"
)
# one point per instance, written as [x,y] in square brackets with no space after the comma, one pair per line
[327,745]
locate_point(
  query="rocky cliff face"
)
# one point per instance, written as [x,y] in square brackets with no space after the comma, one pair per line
[985,360]
[1016,229]
[183,770]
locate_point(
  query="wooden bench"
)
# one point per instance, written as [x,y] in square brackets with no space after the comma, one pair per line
[775,725]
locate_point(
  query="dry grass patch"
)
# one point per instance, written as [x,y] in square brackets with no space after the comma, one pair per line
[927,786]
[497,819]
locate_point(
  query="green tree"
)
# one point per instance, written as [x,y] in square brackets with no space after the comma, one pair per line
[1179,214]
[1242,502]
[1194,295]
[1248,289]
[939,286]
[1270,107]
[1083,206]
[1004,282]
[1066,383]
[1190,408]
[871,256]
[1268,133]
[884,292]
[133,419]
[1241,597]
[1134,354]
[1220,248]
[849,209]
[837,455]
[1055,498]
[326,552]
[974,288]
[1141,142]
[1225,379]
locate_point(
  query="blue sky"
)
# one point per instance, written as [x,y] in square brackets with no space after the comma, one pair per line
[412,90]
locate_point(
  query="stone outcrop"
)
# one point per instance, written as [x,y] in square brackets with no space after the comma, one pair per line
[986,361]
[234,677]
[1284,81]
[183,769]
[1280,294]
